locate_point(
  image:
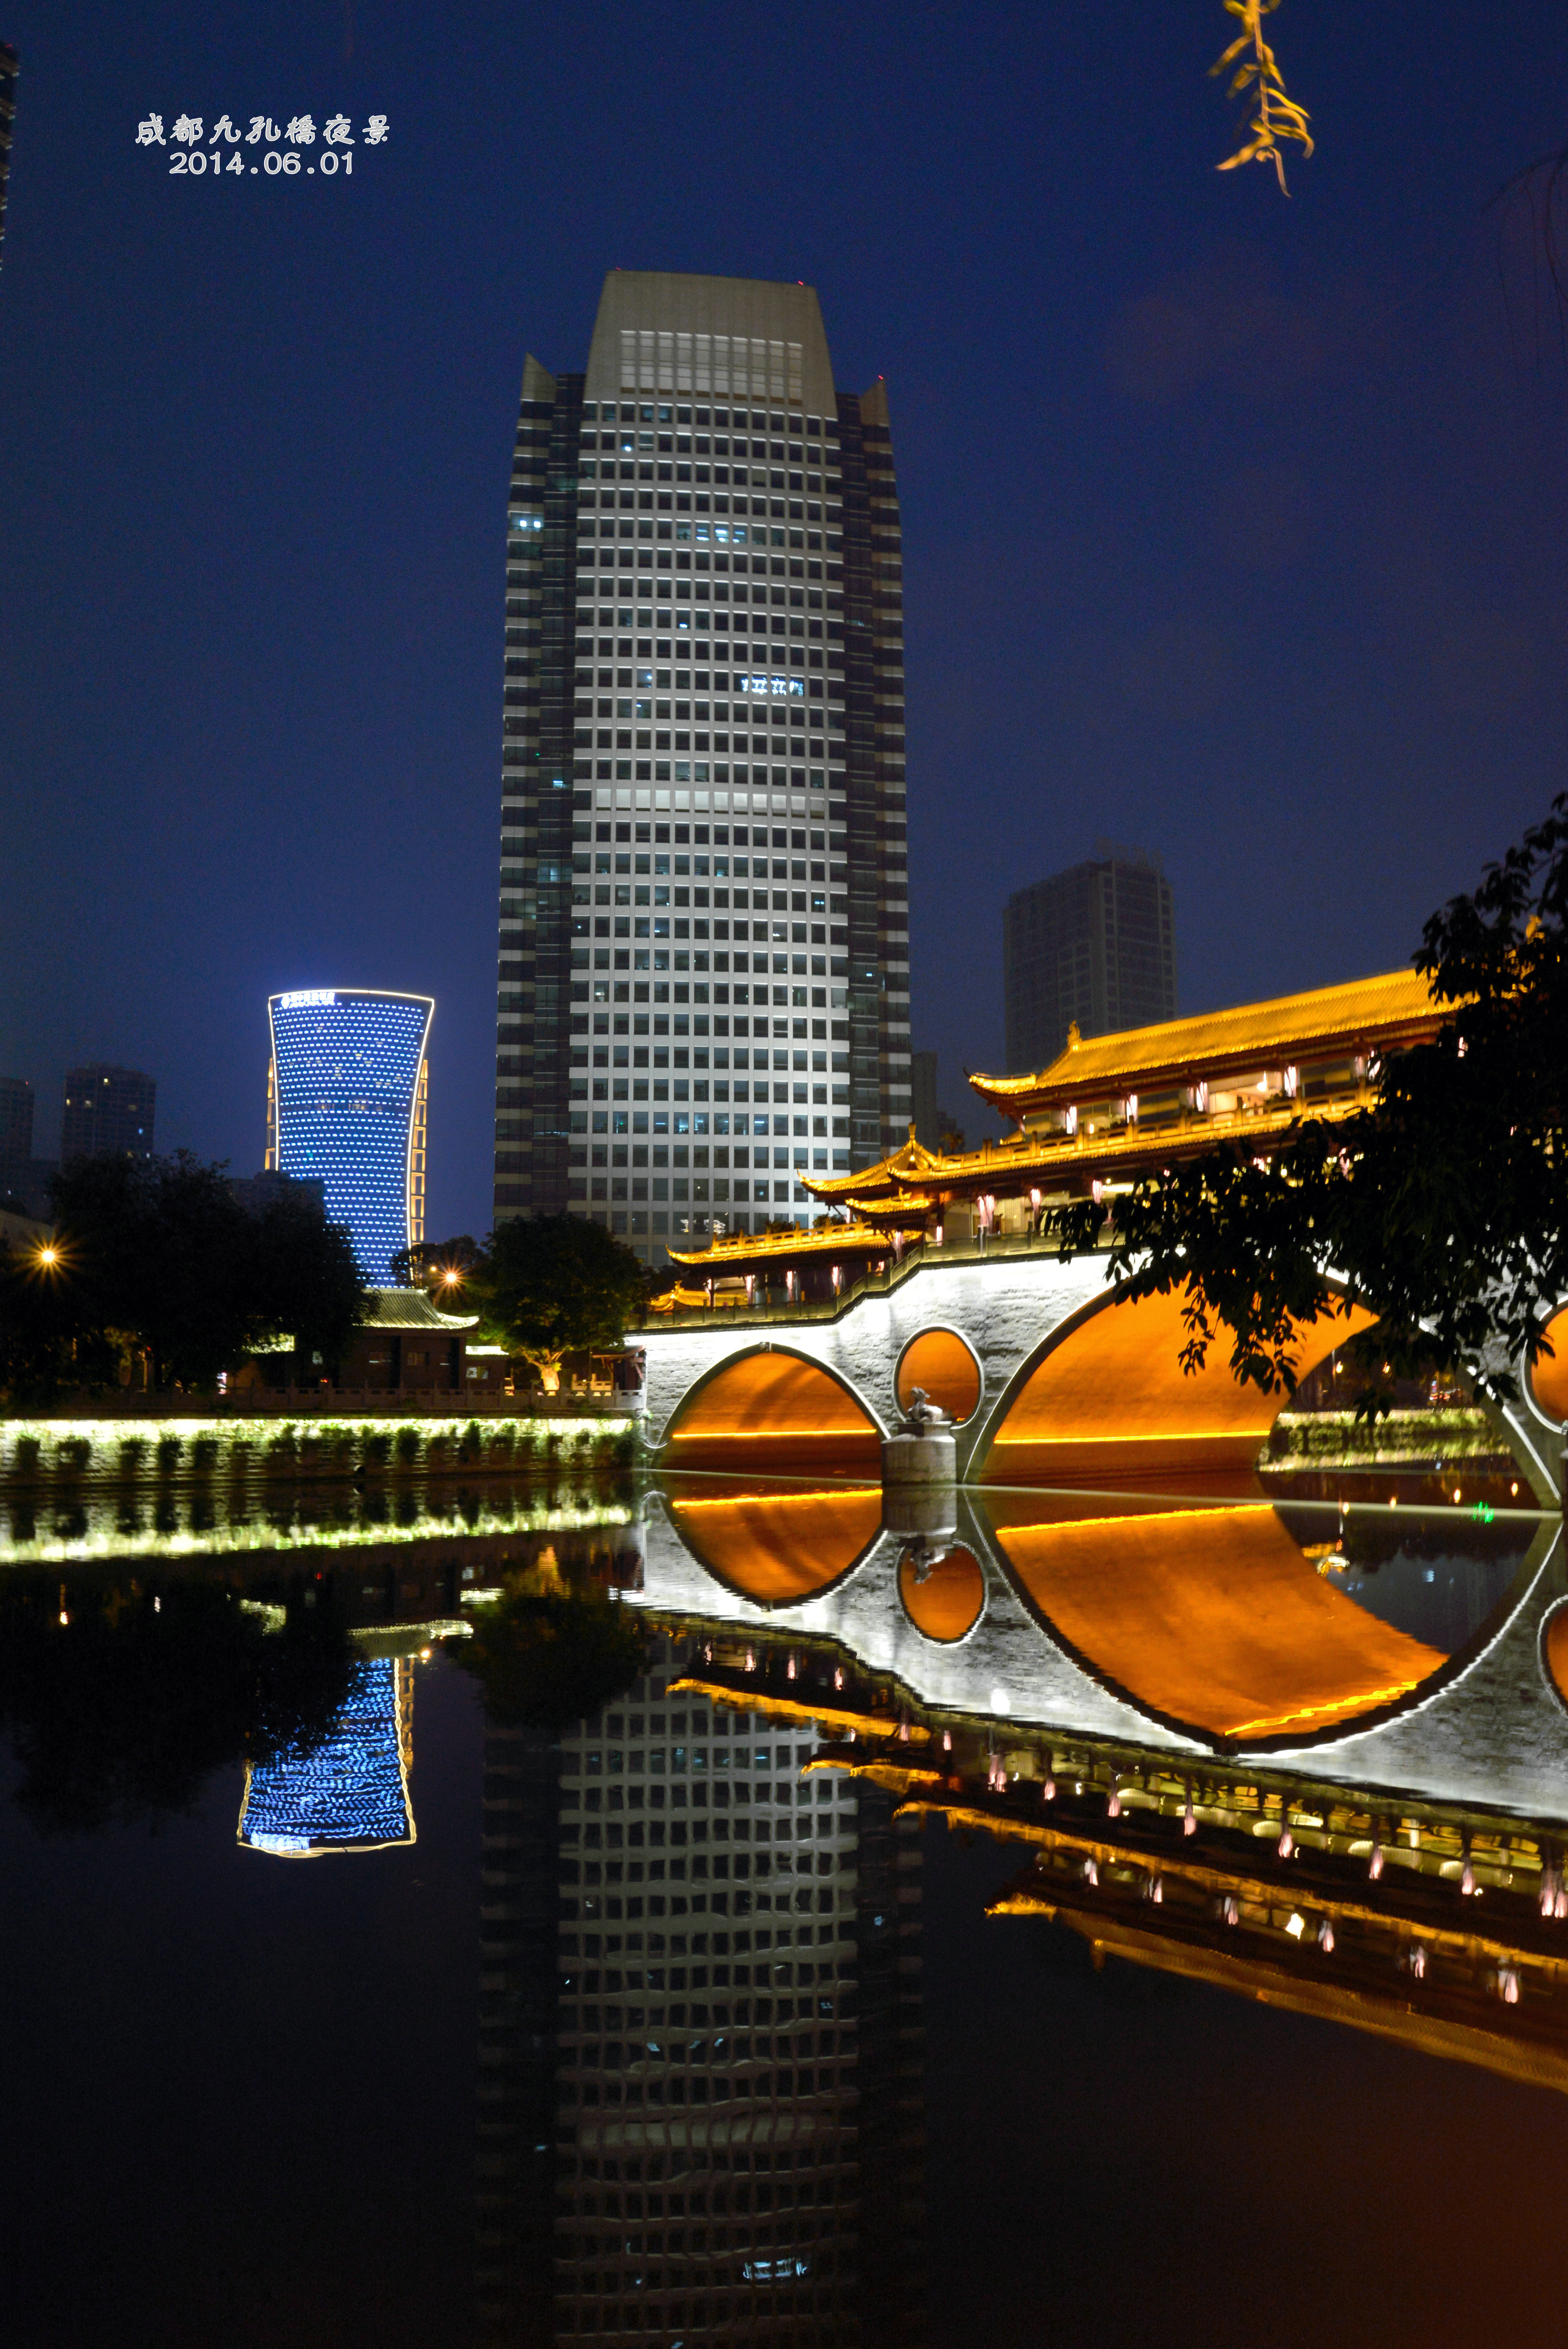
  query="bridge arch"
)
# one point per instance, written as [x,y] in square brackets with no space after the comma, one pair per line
[1051,1422]
[771,1410]
[941,1360]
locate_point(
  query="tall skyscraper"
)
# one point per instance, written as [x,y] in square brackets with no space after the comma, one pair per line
[10,64]
[16,1134]
[1095,946]
[107,1109]
[348,1095]
[704,966]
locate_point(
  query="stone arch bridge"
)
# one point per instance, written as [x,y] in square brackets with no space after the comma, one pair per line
[1048,1375]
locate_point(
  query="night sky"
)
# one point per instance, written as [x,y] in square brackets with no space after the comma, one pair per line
[1233,526]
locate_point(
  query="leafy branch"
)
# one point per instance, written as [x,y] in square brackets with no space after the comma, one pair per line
[1257,69]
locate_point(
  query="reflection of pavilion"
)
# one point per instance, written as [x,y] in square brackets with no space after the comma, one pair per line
[350,1793]
[1444,1927]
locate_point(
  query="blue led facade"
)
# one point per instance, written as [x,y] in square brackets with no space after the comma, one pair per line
[352,1793]
[345,1107]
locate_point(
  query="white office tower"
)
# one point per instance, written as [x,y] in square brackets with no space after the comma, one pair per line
[704,951]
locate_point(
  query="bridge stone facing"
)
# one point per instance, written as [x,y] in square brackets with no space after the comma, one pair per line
[1006,1308]
[1011,1311]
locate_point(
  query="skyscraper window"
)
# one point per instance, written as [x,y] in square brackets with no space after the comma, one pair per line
[347,1107]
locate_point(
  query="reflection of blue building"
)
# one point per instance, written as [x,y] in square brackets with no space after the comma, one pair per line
[347,1090]
[352,1793]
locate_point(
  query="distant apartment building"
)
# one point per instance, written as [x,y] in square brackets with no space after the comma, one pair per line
[347,1094]
[10,64]
[107,1109]
[1093,948]
[16,1134]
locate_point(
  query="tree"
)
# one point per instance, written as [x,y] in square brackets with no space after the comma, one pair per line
[548,1284]
[544,1657]
[1440,1209]
[123,1698]
[306,1283]
[157,1258]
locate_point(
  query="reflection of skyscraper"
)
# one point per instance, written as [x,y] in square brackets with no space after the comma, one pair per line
[351,1793]
[699,2105]
[347,1094]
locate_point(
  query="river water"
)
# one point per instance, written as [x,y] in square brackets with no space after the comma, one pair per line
[571,1911]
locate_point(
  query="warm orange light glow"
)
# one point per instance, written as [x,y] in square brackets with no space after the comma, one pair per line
[799,1411]
[780,1548]
[948,1602]
[1113,1395]
[1213,1616]
[942,1364]
[1549,1379]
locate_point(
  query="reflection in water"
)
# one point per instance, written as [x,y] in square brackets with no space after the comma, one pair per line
[350,1791]
[1442,1926]
[698,2041]
[700,2103]
[777,1548]
[1213,1616]
[198,1520]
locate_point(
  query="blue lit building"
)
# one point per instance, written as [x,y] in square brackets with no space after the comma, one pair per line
[352,1793]
[346,1104]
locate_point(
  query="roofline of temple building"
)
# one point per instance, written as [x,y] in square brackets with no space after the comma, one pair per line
[1387,1011]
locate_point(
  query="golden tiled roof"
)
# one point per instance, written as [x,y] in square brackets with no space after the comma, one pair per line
[1365,1015]
[828,1239]
[1052,1161]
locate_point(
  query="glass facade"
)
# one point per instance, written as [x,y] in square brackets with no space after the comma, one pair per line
[347,1107]
[351,1793]
[704,942]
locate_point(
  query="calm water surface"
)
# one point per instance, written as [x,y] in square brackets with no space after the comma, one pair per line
[346,2003]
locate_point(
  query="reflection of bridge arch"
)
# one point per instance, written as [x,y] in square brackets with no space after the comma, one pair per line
[779,1549]
[1105,1393]
[769,1410]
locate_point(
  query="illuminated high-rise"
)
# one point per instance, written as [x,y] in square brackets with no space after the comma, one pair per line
[704,966]
[347,1087]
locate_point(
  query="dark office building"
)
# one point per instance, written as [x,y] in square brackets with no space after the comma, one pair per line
[1095,946]
[704,963]
[923,1106]
[9,64]
[16,1134]
[107,1109]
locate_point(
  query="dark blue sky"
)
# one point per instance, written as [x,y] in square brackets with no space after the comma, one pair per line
[1233,526]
